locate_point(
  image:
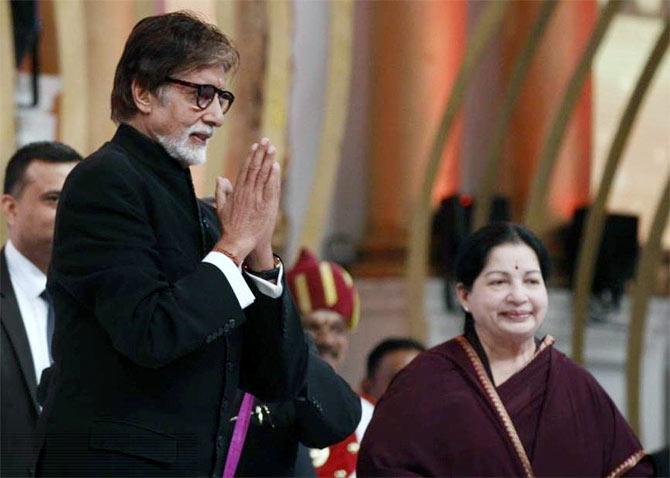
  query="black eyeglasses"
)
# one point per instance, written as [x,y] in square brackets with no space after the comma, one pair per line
[205,94]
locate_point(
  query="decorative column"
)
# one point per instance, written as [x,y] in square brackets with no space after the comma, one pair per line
[418,47]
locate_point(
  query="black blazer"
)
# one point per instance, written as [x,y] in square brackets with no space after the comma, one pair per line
[325,412]
[18,384]
[151,343]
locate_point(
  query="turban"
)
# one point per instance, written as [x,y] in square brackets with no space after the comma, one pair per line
[323,285]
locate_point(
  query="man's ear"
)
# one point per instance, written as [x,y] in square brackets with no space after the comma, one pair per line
[462,294]
[142,97]
[8,204]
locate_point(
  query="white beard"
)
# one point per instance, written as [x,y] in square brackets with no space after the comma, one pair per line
[181,148]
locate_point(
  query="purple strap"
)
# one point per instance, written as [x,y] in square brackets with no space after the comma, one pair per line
[239,435]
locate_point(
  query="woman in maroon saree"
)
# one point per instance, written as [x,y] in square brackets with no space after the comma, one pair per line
[496,401]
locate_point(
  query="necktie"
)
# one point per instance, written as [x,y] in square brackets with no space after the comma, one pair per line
[51,319]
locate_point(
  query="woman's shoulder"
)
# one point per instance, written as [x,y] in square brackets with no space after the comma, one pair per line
[566,365]
[433,369]
[439,357]
[576,379]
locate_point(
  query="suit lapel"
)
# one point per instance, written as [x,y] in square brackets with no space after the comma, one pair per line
[13,325]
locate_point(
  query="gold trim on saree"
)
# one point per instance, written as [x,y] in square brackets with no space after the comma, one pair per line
[627,465]
[492,394]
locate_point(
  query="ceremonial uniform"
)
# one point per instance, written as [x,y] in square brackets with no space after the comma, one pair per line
[339,460]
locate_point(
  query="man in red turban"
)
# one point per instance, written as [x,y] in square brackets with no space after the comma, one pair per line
[330,309]
[328,303]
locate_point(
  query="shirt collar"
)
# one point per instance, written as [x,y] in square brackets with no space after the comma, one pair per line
[25,275]
[369,398]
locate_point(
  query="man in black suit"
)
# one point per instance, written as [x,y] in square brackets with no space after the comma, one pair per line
[33,180]
[165,305]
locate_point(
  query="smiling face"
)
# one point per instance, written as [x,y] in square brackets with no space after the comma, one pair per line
[172,117]
[330,334]
[508,300]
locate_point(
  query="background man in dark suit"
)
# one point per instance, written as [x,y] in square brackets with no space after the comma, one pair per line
[158,322]
[33,180]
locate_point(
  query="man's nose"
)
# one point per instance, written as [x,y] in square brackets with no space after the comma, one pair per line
[325,337]
[214,114]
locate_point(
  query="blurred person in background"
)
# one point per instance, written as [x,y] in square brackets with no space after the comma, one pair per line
[385,360]
[34,177]
[383,363]
[330,308]
[329,303]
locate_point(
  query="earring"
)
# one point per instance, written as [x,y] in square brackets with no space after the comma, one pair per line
[465,308]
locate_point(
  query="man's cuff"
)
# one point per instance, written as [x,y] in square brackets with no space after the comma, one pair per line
[234,276]
[266,287]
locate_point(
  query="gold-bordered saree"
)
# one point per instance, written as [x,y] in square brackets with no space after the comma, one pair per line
[443,416]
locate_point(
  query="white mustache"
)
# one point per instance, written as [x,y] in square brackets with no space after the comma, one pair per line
[205,131]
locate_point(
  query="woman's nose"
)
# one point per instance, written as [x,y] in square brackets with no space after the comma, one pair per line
[517,294]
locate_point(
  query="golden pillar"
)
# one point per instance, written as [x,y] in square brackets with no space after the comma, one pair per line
[417,49]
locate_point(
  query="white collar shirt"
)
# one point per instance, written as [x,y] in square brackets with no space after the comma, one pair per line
[28,283]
